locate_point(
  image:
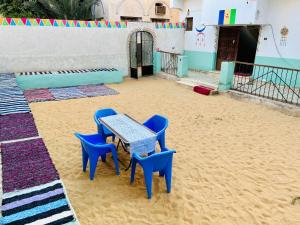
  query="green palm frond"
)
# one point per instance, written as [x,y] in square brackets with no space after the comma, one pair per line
[57,9]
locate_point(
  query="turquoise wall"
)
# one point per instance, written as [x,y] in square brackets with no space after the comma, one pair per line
[156,62]
[272,61]
[201,60]
[67,80]
[182,66]
[290,77]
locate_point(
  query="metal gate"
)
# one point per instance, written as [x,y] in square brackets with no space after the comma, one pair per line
[276,83]
[169,62]
[141,54]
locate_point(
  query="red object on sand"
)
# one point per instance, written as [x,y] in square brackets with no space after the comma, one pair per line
[203,90]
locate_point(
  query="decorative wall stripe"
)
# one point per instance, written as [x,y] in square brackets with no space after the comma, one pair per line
[61,23]
[169,25]
[67,71]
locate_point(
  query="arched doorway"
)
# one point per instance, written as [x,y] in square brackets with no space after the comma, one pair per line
[141,54]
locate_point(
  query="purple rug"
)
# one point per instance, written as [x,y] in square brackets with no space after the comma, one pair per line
[45,94]
[26,164]
[38,95]
[97,90]
[17,126]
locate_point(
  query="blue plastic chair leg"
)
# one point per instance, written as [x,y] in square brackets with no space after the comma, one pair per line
[103,157]
[93,166]
[85,159]
[162,142]
[148,180]
[100,130]
[115,158]
[133,166]
[168,177]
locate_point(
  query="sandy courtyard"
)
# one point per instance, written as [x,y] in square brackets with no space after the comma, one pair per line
[236,162]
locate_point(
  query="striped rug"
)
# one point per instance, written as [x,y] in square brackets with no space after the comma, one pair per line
[43,204]
[33,193]
[12,99]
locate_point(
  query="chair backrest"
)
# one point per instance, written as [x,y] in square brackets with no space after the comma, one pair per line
[103,113]
[157,123]
[82,140]
[158,161]
[87,142]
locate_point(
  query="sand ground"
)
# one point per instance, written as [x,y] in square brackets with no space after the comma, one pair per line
[236,162]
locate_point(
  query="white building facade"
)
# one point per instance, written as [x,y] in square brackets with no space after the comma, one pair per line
[253,31]
[136,10]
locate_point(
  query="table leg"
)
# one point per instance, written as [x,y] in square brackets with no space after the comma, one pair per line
[123,145]
[129,165]
[126,150]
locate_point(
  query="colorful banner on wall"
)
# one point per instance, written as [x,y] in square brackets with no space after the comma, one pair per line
[169,25]
[61,23]
[227,17]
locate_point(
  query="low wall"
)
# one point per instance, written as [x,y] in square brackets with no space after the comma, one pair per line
[52,48]
[67,80]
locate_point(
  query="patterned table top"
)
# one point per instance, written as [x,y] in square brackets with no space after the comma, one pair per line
[141,139]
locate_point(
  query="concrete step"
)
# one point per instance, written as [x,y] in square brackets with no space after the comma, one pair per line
[191,82]
[167,76]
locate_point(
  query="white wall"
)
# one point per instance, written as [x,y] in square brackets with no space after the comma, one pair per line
[245,14]
[56,48]
[206,12]
[176,4]
[51,48]
[270,14]
[279,14]
[144,9]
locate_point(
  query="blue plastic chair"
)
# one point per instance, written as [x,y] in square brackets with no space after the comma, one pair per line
[93,147]
[158,124]
[102,129]
[161,162]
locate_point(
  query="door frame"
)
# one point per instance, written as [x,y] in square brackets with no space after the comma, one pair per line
[218,42]
[154,44]
[259,27]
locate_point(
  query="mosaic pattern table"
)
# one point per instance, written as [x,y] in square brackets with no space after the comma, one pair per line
[140,139]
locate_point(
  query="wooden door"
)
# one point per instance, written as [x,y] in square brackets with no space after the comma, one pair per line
[228,45]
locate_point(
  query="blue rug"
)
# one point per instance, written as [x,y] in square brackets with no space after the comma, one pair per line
[66,93]
[97,90]
[12,99]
